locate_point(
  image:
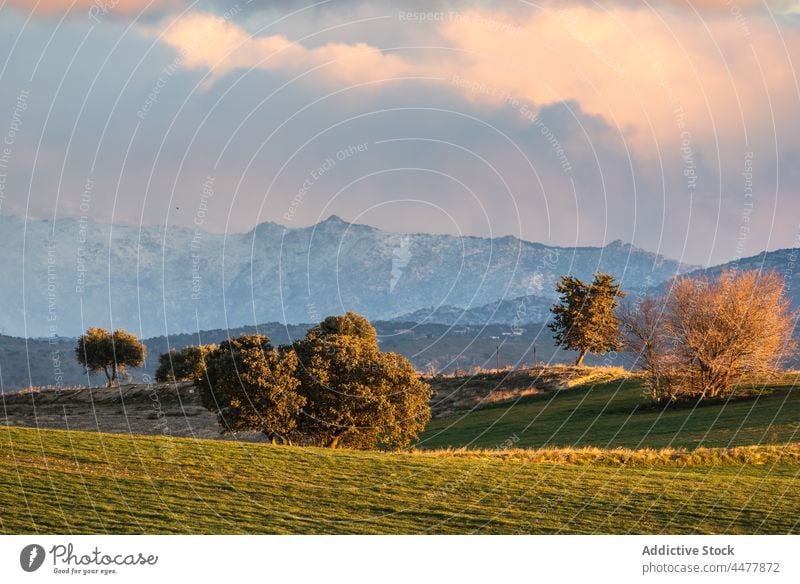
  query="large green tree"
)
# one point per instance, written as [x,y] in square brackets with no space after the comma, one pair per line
[585,320]
[358,396]
[334,387]
[252,387]
[98,350]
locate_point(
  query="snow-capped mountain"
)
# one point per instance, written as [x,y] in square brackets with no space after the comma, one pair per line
[511,311]
[64,276]
[784,262]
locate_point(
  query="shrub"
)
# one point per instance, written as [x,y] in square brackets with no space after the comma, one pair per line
[187,364]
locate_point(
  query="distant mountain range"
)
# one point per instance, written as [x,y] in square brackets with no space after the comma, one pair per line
[60,277]
[536,308]
[785,262]
[514,311]
[442,338]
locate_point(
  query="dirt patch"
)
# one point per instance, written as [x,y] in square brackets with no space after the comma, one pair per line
[459,394]
[159,409]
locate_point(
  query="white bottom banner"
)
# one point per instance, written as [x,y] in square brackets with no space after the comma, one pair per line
[372,559]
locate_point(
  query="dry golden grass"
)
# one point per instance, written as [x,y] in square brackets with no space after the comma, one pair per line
[46,389]
[483,387]
[594,375]
[772,454]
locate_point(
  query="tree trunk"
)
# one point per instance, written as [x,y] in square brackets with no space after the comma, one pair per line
[108,376]
[276,438]
[581,355]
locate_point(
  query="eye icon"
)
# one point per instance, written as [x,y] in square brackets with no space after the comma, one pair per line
[31,557]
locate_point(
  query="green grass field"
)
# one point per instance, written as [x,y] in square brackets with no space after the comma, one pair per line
[55,481]
[76,482]
[616,415]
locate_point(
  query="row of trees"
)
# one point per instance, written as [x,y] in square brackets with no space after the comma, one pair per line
[334,387]
[697,341]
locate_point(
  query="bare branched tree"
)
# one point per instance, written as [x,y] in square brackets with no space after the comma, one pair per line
[645,335]
[709,335]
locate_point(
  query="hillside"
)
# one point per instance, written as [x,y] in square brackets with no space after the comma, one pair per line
[38,362]
[176,409]
[76,482]
[782,261]
[158,409]
[614,414]
[464,393]
[555,406]
[158,280]
[442,348]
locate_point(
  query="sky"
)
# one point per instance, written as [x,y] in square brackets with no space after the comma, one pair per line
[671,125]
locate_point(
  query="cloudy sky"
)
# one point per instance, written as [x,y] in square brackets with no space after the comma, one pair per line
[671,125]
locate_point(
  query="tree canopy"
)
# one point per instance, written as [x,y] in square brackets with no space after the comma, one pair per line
[708,335]
[584,320]
[357,395]
[253,388]
[334,387]
[98,350]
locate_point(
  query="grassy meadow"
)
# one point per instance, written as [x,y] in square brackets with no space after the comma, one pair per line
[611,415]
[593,458]
[79,482]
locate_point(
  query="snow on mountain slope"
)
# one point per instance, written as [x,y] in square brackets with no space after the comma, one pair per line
[62,277]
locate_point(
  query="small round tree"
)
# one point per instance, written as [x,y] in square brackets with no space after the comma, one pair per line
[252,387]
[358,396]
[98,350]
[185,365]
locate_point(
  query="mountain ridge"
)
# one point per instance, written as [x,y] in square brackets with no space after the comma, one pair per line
[155,280]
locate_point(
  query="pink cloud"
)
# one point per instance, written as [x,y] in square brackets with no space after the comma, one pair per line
[654,75]
[211,42]
[94,8]
[734,5]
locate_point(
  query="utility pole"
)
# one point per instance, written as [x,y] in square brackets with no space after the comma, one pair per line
[498,357]
[534,354]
